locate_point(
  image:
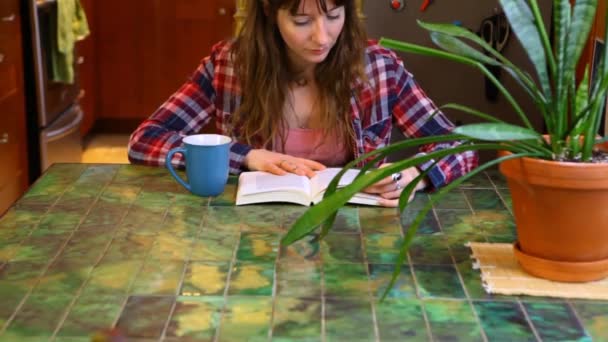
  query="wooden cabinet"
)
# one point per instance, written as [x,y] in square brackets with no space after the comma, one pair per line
[86,61]
[145,49]
[13,149]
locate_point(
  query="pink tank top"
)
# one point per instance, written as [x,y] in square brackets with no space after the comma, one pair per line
[309,144]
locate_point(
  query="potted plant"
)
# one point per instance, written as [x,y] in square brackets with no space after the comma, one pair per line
[558,178]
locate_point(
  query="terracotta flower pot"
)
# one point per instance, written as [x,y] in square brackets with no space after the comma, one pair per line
[561,214]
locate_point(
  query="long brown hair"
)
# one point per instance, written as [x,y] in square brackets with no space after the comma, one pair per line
[264,73]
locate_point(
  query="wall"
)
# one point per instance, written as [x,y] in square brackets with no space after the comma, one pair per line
[446,81]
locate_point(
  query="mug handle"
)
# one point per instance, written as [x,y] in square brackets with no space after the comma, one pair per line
[172,170]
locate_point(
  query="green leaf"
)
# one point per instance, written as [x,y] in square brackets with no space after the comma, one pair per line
[496,132]
[413,48]
[316,215]
[411,232]
[522,22]
[456,46]
[582,19]
[561,23]
[581,100]
[471,111]
[524,80]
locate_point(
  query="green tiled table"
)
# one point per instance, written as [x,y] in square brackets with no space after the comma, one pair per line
[92,247]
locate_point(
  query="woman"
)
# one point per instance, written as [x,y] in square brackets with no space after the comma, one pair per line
[300,89]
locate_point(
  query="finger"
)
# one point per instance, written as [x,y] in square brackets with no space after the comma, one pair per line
[313,165]
[391,194]
[391,203]
[307,171]
[276,170]
[380,188]
[296,168]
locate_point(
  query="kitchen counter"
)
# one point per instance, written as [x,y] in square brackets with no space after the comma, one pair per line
[94,247]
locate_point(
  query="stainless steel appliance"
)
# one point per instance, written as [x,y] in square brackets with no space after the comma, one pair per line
[54,111]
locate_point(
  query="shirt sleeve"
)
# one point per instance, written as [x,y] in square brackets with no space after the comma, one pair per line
[417,116]
[183,114]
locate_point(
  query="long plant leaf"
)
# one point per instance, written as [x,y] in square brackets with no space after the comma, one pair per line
[317,214]
[377,155]
[523,24]
[458,47]
[413,228]
[522,78]
[582,19]
[426,51]
[497,132]
[471,111]
[562,11]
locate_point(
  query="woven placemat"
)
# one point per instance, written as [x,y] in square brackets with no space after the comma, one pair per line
[501,274]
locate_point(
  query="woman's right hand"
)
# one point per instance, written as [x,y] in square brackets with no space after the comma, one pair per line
[280,164]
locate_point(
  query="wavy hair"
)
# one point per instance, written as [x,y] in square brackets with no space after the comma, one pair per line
[264,72]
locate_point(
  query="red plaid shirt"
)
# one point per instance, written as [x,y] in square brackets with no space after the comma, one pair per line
[391,96]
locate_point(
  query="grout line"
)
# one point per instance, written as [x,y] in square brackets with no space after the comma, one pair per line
[187,262]
[369,290]
[48,265]
[504,203]
[228,278]
[88,277]
[460,278]
[144,261]
[427,324]
[529,320]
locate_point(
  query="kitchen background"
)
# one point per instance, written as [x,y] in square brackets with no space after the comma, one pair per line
[139,52]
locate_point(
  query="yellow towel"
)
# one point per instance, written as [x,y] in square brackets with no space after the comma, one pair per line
[72,26]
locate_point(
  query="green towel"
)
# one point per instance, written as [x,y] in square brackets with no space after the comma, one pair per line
[72,26]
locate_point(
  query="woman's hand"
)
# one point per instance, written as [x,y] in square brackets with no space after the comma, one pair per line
[390,188]
[281,164]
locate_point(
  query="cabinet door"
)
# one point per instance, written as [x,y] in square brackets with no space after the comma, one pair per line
[86,62]
[13,159]
[147,48]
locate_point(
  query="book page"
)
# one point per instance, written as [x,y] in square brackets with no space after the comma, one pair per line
[260,182]
[321,181]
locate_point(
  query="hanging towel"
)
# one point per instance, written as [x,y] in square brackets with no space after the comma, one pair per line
[72,26]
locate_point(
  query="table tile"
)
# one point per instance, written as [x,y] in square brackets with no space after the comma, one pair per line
[90,314]
[382,248]
[452,320]
[297,279]
[345,280]
[195,318]
[205,278]
[144,317]
[555,321]
[342,248]
[380,276]
[438,281]
[500,319]
[297,319]
[401,320]
[349,320]
[252,279]
[246,318]
[89,246]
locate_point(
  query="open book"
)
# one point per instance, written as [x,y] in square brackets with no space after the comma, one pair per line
[261,187]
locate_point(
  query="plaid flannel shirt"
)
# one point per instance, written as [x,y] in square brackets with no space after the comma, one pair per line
[389,97]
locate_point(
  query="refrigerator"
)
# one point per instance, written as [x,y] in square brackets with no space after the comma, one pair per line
[446,81]
[54,114]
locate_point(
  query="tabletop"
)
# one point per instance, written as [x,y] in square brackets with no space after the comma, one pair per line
[123,250]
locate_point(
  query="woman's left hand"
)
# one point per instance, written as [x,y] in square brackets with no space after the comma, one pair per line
[390,188]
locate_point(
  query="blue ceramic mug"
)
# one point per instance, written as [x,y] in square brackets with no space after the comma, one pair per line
[207,163]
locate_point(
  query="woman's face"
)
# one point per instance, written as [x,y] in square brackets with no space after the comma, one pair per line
[310,34]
